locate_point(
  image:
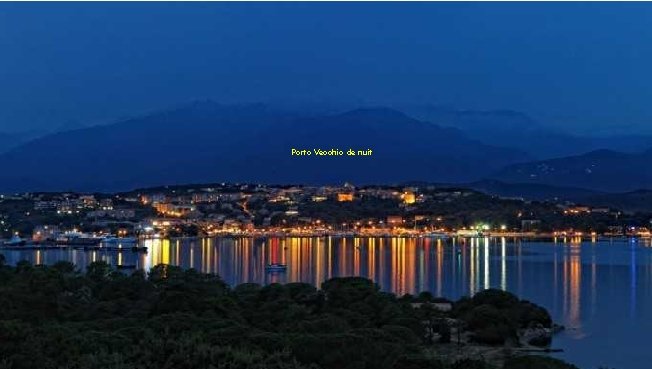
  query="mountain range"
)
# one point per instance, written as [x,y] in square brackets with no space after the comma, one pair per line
[207,142]
[211,142]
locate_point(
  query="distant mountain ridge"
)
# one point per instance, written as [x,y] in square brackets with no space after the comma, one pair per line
[9,141]
[210,142]
[508,128]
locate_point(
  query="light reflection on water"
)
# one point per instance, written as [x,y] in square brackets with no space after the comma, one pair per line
[601,291]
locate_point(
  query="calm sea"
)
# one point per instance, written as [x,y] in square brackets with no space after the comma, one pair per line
[601,290]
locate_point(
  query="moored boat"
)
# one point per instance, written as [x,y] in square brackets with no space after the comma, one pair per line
[468,233]
[119,240]
[15,241]
[437,235]
[78,239]
[276,267]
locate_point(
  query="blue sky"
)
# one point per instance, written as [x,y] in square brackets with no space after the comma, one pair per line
[576,65]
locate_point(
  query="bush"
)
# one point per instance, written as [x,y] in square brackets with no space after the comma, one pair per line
[536,362]
[469,364]
[493,335]
[325,324]
[485,315]
[444,330]
[497,298]
[402,333]
[342,292]
[494,316]
[418,362]
[528,313]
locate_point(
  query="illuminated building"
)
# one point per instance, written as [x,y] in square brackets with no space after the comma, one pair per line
[173,209]
[112,213]
[106,204]
[152,198]
[292,211]
[87,201]
[344,196]
[408,197]
[578,210]
[204,197]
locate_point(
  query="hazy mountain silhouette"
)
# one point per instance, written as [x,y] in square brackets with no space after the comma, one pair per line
[508,128]
[208,142]
[602,170]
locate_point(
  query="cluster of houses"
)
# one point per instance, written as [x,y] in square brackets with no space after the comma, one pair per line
[245,208]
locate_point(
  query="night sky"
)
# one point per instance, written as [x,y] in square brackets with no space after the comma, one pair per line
[568,64]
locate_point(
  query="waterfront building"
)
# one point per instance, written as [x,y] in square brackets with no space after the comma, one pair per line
[530,225]
[394,220]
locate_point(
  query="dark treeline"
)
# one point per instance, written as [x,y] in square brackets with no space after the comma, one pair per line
[60,317]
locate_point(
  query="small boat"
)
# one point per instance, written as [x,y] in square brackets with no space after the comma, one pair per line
[276,267]
[119,240]
[78,239]
[468,233]
[437,235]
[15,241]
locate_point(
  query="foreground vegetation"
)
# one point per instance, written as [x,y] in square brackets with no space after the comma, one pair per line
[60,317]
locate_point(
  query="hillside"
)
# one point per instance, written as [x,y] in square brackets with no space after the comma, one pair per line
[635,201]
[531,191]
[601,170]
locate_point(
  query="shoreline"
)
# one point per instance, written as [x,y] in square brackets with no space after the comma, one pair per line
[51,245]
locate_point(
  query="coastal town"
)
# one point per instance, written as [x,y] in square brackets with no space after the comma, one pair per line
[251,210]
